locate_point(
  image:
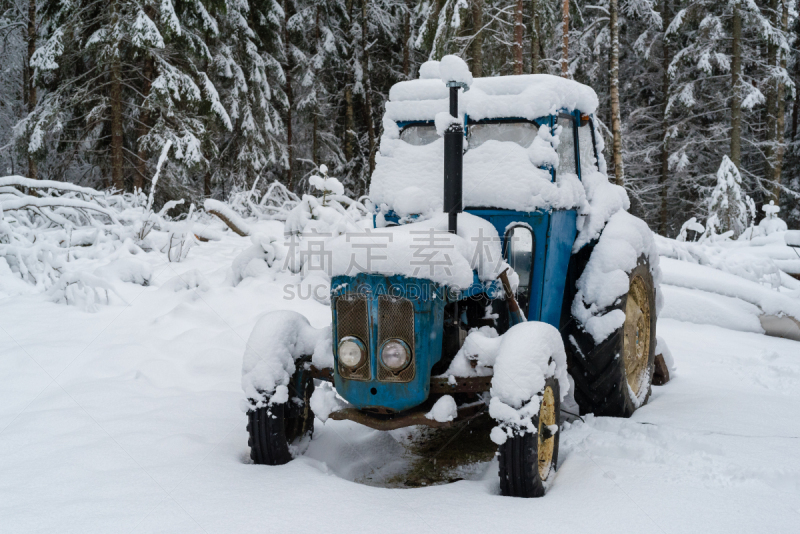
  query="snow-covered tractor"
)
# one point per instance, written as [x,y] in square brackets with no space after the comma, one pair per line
[514,284]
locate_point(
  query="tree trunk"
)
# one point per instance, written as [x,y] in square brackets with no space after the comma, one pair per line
[30,87]
[207,184]
[316,110]
[406,40]
[616,121]
[736,78]
[780,104]
[477,42]
[349,120]
[519,28]
[771,108]
[144,118]
[115,98]
[367,89]
[287,70]
[663,179]
[535,27]
[565,38]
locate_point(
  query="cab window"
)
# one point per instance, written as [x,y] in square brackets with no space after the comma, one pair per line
[521,133]
[587,150]
[519,255]
[419,134]
[566,145]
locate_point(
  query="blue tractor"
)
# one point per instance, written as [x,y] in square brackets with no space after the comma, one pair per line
[521,159]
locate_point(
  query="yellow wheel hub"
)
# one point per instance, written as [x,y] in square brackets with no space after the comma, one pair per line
[547,417]
[636,342]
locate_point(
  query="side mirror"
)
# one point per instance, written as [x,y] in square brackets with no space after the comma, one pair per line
[792,238]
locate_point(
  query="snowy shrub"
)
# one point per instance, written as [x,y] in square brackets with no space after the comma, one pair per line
[691,226]
[44,236]
[265,255]
[771,223]
[82,290]
[126,269]
[189,280]
[274,204]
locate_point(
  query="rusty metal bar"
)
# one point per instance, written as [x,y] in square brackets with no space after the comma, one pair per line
[404,420]
[473,384]
[322,374]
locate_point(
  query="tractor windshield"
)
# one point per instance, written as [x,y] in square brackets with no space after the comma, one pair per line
[521,133]
[419,134]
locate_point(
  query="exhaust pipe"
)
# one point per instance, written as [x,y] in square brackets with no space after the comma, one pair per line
[455,74]
[453,162]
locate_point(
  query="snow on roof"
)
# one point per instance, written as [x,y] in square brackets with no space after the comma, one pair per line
[498,174]
[527,96]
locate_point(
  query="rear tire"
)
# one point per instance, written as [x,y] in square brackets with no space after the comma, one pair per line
[613,378]
[529,460]
[274,430]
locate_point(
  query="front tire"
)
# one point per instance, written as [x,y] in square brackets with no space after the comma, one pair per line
[527,461]
[613,377]
[275,430]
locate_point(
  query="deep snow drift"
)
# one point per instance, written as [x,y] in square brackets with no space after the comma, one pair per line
[128,418]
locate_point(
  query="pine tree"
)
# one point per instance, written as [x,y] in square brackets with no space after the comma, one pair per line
[13,86]
[249,78]
[727,210]
[88,71]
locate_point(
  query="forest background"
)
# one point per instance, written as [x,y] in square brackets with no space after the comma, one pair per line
[245,92]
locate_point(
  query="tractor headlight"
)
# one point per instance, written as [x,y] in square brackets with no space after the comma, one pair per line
[395,354]
[352,352]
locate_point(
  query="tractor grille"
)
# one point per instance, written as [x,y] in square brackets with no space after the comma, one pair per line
[396,320]
[352,319]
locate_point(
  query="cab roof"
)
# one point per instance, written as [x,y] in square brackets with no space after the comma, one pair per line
[527,96]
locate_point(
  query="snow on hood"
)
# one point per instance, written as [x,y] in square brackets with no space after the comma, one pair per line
[423,250]
[528,96]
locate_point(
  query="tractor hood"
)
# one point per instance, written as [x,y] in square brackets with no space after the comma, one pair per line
[423,250]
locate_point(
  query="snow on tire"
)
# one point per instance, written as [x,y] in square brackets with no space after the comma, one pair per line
[528,461]
[528,384]
[276,431]
[278,385]
[610,333]
[613,377]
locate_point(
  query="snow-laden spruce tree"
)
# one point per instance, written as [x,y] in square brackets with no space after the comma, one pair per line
[117,81]
[316,53]
[13,94]
[249,78]
[723,69]
[727,209]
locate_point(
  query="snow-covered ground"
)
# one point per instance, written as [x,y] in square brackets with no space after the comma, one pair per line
[128,420]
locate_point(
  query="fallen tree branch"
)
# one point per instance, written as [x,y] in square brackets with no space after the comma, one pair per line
[226,215]
[26,202]
[22,181]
